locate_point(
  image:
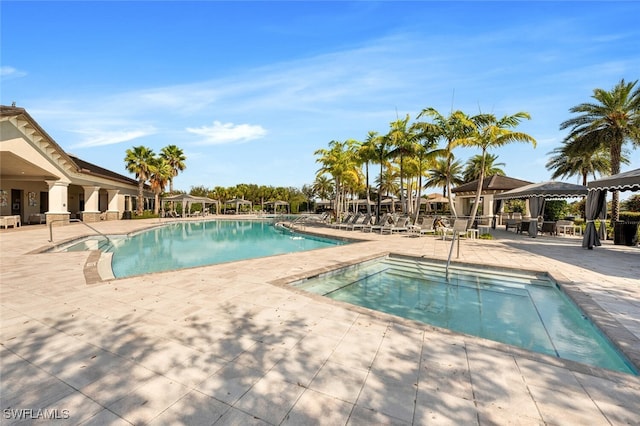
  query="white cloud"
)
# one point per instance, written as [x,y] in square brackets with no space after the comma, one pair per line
[11,72]
[222,133]
[101,138]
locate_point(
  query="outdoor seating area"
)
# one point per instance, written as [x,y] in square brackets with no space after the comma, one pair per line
[10,221]
[193,340]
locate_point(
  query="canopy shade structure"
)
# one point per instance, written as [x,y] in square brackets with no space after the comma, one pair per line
[627,181]
[435,198]
[187,199]
[238,202]
[596,204]
[277,204]
[547,190]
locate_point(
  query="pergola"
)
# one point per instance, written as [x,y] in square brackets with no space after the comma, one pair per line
[187,200]
[536,194]
[276,204]
[596,205]
[238,202]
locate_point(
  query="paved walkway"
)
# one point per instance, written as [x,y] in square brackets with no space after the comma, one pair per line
[231,344]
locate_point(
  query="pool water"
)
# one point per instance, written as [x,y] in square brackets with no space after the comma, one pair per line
[188,244]
[518,308]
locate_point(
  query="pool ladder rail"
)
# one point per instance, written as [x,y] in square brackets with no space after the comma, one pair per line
[459,226]
[74,220]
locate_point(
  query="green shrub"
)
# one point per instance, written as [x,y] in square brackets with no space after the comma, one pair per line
[485,237]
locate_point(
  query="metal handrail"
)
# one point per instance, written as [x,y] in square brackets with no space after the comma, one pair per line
[457,228]
[73,220]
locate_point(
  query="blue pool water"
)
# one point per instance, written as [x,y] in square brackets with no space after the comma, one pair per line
[521,309]
[188,244]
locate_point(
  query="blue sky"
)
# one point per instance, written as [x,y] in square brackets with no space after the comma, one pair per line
[249,90]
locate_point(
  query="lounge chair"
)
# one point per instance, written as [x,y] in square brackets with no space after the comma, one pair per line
[347,223]
[425,227]
[400,225]
[345,220]
[363,221]
[377,225]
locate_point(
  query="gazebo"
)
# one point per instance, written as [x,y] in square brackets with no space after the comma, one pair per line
[536,194]
[491,187]
[277,204]
[238,202]
[187,200]
[596,205]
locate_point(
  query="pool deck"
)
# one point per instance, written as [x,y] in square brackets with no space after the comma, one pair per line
[232,344]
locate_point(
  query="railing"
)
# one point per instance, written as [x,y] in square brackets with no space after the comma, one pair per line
[73,220]
[459,226]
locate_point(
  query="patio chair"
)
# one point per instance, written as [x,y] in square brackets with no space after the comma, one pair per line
[425,227]
[377,225]
[347,223]
[346,220]
[400,225]
[549,227]
[360,223]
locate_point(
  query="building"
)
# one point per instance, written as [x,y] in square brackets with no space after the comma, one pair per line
[491,185]
[38,180]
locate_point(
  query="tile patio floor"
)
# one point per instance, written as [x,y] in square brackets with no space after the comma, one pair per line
[231,345]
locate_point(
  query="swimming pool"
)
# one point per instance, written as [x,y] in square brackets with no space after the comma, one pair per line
[187,244]
[518,308]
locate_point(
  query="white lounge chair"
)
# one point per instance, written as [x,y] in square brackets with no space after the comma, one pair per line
[399,225]
[425,227]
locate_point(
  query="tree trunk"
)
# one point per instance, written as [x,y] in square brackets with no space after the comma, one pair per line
[140,206]
[478,191]
[615,152]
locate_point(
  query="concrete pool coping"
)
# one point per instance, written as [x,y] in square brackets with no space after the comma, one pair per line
[622,339]
[222,343]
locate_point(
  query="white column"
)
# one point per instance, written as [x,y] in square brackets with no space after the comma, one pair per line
[58,196]
[113,199]
[91,199]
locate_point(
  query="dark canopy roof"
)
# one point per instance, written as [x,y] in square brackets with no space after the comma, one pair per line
[627,181]
[491,183]
[551,189]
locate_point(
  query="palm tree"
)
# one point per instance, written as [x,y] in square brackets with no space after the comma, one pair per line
[160,172]
[451,129]
[175,157]
[381,146]
[489,133]
[441,173]
[339,162]
[402,138]
[366,154]
[474,164]
[567,161]
[388,184]
[138,160]
[609,122]
[323,187]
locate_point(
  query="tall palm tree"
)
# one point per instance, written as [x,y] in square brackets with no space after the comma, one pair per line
[367,154]
[138,160]
[323,187]
[490,132]
[402,138]
[175,157]
[567,161]
[160,173]
[474,165]
[610,121]
[451,129]
[442,173]
[338,162]
[381,148]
